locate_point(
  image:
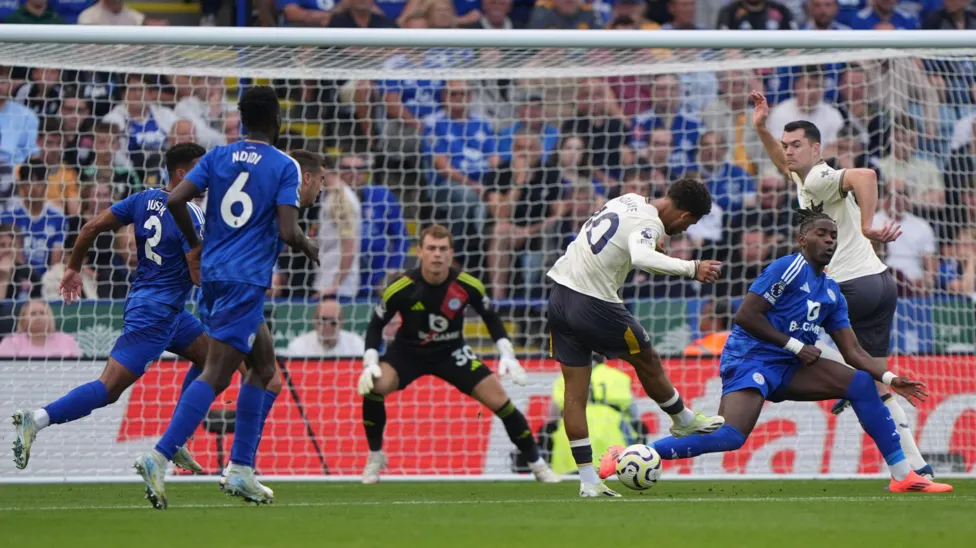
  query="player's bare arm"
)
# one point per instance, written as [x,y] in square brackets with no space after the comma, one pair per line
[863,182]
[70,287]
[292,234]
[177,206]
[855,356]
[751,316]
[772,144]
[645,255]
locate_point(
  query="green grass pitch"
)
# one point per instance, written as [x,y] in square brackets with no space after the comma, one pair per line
[498,515]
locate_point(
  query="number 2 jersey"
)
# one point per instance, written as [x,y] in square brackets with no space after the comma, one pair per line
[597,262]
[803,305]
[432,315]
[162,274]
[246,181]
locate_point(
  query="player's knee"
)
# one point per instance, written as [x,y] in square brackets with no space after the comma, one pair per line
[274,385]
[861,387]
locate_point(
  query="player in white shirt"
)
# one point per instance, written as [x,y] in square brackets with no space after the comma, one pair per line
[587,316]
[865,281]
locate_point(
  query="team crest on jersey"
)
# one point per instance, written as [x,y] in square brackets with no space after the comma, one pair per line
[648,233]
[454,304]
[832,295]
[758,378]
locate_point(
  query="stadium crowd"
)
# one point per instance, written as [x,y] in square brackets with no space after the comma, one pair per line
[515,167]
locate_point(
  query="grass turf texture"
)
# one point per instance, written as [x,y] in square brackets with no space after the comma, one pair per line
[719,514]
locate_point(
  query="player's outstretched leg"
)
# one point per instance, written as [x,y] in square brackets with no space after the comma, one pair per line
[74,405]
[374,421]
[575,395]
[490,393]
[685,422]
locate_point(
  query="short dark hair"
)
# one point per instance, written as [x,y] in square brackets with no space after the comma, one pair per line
[810,130]
[722,309]
[437,232]
[33,170]
[806,217]
[259,108]
[848,131]
[51,124]
[307,160]
[106,128]
[692,196]
[182,154]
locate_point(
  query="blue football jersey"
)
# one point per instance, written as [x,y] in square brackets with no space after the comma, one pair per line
[162,275]
[246,181]
[803,305]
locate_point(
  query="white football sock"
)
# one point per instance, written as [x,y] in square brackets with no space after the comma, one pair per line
[588,474]
[900,470]
[41,419]
[908,445]
[685,417]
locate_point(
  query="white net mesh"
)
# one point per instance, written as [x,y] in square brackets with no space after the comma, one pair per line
[513,149]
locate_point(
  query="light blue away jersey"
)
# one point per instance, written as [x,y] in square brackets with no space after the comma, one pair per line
[246,181]
[162,274]
[804,304]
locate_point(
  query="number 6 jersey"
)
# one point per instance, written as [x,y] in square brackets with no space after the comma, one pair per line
[597,262]
[246,181]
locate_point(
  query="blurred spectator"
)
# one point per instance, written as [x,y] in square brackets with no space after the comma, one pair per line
[823,16]
[306,13]
[42,92]
[43,226]
[912,257]
[923,178]
[563,14]
[634,10]
[294,272]
[115,280]
[659,152]
[666,114]
[76,125]
[847,152]
[774,208]
[70,9]
[584,192]
[530,115]
[62,179]
[361,14]
[953,15]
[141,118]
[643,179]
[51,280]
[807,104]
[385,241]
[639,286]
[183,131]
[958,268]
[495,16]
[957,73]
[631,91]
[232,126]
[605,134]
[18,135]
[95,198]
[527,202]
[35,12]
[328,339]
[15,274]
[730,186]
[865,117]
[340,228]
[37,336]
[201,100]
[714,326]
[101,89]
[730,114]
[462,149]
[463,12]
[754,250]
[884,14]
[7,7]
[755,15]
[408,105]
[107,166]
[494,99]
[683,15]
[113,12]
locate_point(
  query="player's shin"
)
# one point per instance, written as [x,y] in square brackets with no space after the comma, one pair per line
[191,375]
[877,422]
[250,402]
[270,397]
[908,445]
[726,438]
[190,412]
[518,431]
[374,421]
[74,405]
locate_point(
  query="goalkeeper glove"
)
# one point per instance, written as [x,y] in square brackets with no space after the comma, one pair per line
[371,370]
[508,364]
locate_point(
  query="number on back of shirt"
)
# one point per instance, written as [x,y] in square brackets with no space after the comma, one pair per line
[154,225]
[236,195]
[608,223]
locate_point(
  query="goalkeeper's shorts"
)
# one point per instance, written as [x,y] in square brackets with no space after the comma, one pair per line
[457,366]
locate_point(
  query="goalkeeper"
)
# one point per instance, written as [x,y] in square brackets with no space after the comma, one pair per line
[431,300]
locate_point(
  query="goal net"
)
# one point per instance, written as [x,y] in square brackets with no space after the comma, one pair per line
[513,149]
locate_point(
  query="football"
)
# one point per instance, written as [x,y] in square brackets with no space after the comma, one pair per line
[639,467]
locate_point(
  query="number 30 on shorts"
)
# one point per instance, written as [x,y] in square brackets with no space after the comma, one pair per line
[463,355]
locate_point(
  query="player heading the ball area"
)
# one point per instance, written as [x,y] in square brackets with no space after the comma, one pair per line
[865,281]
[587,316]
[431,300]
[254,193]
[155,318]
[770,355]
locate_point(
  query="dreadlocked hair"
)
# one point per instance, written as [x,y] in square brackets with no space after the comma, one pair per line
[806,217]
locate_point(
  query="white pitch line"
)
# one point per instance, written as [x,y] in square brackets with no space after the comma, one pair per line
[641,500]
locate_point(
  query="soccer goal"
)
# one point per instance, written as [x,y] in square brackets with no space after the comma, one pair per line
[512,140]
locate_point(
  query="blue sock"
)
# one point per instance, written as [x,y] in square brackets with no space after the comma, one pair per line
[191,375]
[875,417]
[726,438]
[190,412]
[250,402]
[269,400]
[78,403]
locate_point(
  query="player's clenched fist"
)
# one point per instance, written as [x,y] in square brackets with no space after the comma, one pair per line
[708,271]
[371,371]
[809,354]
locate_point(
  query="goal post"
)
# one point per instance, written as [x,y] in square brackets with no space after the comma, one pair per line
[512,139]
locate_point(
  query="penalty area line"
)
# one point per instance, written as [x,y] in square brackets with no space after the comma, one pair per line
[638,500]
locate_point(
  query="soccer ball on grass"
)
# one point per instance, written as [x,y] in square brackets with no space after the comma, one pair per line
[639,467]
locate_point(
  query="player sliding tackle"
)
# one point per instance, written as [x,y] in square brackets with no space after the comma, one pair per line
[586,316]
[431,300]
[770,355]
[255,191]
[865,281]
[155,319]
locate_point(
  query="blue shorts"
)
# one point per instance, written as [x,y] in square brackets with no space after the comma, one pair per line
[769,377]
[149,328]
[232,312]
